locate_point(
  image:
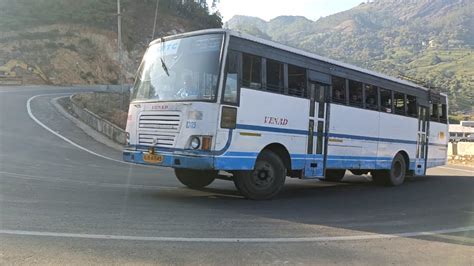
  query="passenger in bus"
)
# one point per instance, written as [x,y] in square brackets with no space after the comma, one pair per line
[188,90]
[356,98]
[370,101]
[338,95]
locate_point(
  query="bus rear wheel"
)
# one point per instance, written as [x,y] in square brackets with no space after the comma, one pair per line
[265,181]
[195,179]
[393,177]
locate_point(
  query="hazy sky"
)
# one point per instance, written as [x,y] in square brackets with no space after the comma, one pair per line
[268,9]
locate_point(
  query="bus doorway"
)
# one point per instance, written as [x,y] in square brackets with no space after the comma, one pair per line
[317,137]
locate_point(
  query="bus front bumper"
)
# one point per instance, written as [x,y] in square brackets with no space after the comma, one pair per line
[169,159]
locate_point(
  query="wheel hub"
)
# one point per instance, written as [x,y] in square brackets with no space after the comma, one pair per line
[263,176]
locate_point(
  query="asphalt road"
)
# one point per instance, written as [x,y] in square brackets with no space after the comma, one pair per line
[61,204]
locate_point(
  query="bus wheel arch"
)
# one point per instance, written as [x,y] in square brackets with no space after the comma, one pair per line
[282,152]
[394,176]
[407,159]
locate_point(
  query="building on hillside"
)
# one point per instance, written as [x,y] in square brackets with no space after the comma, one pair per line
[463,132]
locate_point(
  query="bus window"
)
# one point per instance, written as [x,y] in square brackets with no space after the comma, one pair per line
[444,114]
[338,90]
[434,116]
[252,71]
[297,81]
[386,100]
[371,98]
[399,103]
[231,81]
[275,76]
[411,103]
[355,93]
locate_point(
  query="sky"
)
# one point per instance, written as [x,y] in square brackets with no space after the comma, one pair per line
[269,9]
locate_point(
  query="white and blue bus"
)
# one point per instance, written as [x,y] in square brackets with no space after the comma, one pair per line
[216,101]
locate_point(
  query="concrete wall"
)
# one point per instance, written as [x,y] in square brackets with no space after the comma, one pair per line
[99,124]
[461,148]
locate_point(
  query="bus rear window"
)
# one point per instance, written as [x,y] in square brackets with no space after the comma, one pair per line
[252,71]
[434,116]
[444,114]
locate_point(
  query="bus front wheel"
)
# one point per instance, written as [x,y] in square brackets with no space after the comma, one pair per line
[195,179]
[265,181]
[395,176]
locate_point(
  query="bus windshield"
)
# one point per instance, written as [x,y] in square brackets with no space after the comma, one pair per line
[184,69]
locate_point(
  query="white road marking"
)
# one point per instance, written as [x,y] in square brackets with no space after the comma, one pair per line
[456,169]
[28,108]
[236,240]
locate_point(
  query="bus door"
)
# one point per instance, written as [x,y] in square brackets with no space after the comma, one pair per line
[421,141]
[317,137]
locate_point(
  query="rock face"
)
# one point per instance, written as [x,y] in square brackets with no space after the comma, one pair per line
[75,42]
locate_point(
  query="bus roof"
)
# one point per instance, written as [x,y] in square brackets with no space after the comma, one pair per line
[297,51]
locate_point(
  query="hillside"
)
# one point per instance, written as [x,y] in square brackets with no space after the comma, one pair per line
[427,40]
[75,42]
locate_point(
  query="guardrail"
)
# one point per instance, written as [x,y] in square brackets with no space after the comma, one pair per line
[98,123]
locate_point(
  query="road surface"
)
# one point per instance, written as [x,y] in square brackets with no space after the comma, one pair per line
[65,198]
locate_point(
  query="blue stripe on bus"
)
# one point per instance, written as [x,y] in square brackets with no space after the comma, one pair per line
[273,129]
[305,132]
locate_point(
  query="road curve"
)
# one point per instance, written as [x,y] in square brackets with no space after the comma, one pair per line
[60,203]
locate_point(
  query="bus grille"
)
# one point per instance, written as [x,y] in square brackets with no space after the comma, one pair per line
[159,128]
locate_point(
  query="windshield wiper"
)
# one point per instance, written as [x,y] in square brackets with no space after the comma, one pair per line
[165,68]
[163,64]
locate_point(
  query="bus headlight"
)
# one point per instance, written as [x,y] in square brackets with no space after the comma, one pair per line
[195,143]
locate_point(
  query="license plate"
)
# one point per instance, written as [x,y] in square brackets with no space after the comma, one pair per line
[152,158]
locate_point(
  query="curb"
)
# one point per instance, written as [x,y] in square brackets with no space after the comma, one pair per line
[90,131]
[98,123]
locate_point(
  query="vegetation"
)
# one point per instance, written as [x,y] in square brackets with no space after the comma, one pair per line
[431,41]
[137,15]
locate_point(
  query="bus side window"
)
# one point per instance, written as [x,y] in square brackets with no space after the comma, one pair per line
[252,71]
[444,114]
[411,102]
[297,81]
[275,81]
[386,100]
[434,113]
[355,93]
[371,98]
[338,90]
[231,81]
[399,103]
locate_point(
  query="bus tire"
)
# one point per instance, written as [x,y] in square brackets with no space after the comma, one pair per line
[334,175]
[395,176]
[265,181]
[195,179]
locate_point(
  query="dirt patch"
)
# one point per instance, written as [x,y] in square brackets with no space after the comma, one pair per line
[110,106]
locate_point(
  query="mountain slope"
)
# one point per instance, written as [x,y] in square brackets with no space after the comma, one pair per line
[75,42]
[427,40]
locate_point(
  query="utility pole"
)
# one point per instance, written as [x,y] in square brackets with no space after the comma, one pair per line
[154,23]
[119,45]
